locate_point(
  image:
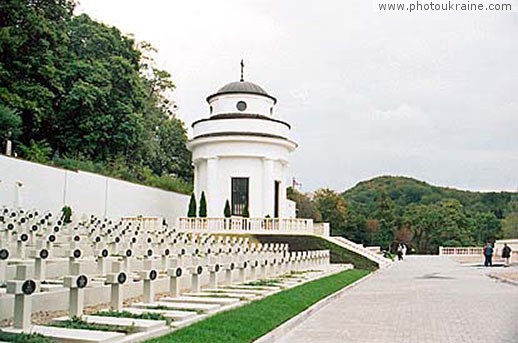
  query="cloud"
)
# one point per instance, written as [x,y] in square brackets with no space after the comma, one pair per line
[429,95]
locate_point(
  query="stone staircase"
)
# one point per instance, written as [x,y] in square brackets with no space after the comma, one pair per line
[359,249]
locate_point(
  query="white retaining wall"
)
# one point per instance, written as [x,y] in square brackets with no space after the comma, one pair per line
[32,185]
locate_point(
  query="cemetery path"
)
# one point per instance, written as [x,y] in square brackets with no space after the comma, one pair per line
[422,299]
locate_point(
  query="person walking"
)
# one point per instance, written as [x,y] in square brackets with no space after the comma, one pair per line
[506,253]
[488,255]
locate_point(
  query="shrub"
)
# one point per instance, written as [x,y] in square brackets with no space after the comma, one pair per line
[66,214]
[192,207]
[36,151]
[226,211]
[10,123]
[203,206]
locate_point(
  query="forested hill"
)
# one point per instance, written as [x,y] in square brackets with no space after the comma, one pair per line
[404,191]
[388,209]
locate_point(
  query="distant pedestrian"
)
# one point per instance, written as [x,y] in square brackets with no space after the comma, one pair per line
[506,253]
[488,255]
[404,249]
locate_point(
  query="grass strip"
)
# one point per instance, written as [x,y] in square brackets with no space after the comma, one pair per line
[254,320]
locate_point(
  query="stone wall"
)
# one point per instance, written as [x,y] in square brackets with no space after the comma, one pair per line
[32,185]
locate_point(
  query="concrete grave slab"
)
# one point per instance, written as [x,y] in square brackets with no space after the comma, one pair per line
[202,300]
[179,306]
[224,294]
[139,324]
[172,314]
[63,335]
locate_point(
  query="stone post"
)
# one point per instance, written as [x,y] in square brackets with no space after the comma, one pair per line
[174,283]
[22,288]
[4,255]
[40,265]
[147,277]
[76,285]
[116,280]
[101,261]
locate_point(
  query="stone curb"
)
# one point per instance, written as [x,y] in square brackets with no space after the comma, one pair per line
[271,336]
[503,279]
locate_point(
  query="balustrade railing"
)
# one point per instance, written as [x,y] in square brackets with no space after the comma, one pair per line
[460,251]
[240,225]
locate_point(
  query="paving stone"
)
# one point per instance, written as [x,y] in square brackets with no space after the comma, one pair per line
[424,299]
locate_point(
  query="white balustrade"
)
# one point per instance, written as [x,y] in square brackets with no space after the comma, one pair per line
[252,225]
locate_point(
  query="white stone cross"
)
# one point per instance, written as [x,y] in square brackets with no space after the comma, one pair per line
[22,288]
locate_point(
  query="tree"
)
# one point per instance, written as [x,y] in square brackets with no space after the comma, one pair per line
[385,213]
[487,227]
[89,92]
[305,206]
[332,207]
[192,207]
[226,211]
[10,123]
[203,206]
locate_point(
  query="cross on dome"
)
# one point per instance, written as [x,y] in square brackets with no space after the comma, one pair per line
[242,69]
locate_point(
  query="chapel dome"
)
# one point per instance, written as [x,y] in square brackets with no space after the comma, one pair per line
[241,87]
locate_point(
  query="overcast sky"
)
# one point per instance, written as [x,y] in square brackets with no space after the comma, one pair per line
[428,95]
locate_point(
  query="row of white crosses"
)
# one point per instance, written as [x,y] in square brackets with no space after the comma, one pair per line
[92,238]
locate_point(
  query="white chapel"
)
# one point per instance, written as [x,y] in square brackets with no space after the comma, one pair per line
[241,153]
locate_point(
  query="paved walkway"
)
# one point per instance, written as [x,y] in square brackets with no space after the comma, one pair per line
[422,299]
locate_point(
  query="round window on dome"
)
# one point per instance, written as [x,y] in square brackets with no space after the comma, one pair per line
[241,106]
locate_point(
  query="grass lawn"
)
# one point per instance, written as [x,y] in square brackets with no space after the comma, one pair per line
[252,321]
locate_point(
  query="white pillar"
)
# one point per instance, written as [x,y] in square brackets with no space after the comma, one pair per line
[268,187]
[211,193]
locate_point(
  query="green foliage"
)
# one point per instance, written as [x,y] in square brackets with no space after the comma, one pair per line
[78,323]
[305,206]
[249,322]
[192,207]
[387,210]
[226,210]
[24,338]
[303,243]
[10,123]
[120,170]
[36,151]
[85,91]
[203,206]
[332,208]
[66,214]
